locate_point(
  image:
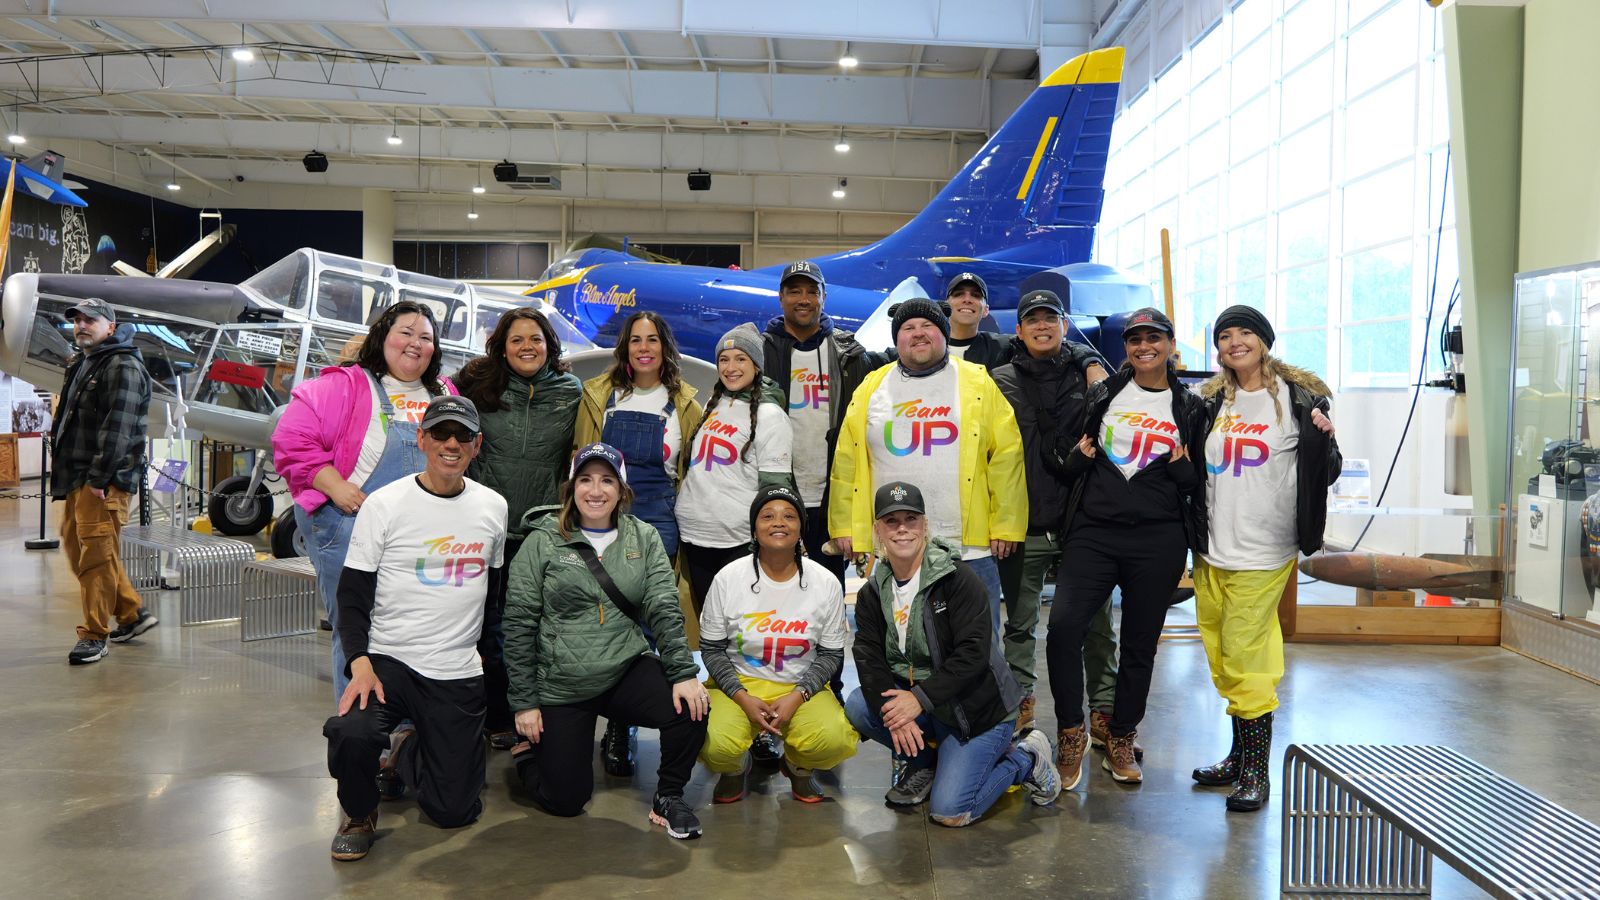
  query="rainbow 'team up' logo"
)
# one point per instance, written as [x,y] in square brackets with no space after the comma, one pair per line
[764,634]
[927,427]
[1151,438]
[447,562]
[1239,452]
[815,388]
[716,447]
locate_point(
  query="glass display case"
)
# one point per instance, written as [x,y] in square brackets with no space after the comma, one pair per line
[1553,463]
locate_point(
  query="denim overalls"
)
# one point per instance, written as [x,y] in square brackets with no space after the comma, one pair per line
[640,438]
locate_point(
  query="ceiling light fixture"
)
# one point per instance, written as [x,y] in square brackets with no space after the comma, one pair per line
[843,146]
[848,60]
[472,211]
[242,53]
[174,186]
[394,132]
[477,187]
[838,192]
[14,135]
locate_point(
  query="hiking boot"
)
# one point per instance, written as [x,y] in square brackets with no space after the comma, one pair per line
[390,786]
[731,788]
[503,740]
[912,789]
[673,813]
[1025,715]
[1255,761]
[88,651]
[526,760]
[764,750]
[1226,771]
[801,783]
[142,623]
[616,750]
[354,838]
[1070,746]
[1100,733]
[1044,782]
[1120,760]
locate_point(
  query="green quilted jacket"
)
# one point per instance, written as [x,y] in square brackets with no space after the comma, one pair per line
[527,443]
[565,640]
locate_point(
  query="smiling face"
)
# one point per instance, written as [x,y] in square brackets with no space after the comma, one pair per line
[920,344]
[967,306]
[408,348]
[595,492]
[450,447]
[736,369]
[525,348]
[903,534]
[1148,349]
[778,527]
[1042,332]
[801,301]
[90,331]
[1240,349]
[644,350]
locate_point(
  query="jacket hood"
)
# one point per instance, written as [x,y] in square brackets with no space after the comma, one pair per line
[542,518]
[938,560]
[824,328]
[1294,375]
[120,341]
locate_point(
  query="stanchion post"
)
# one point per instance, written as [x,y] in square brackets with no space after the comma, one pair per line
[43,542]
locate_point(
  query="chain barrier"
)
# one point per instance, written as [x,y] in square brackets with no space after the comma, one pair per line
[199,490]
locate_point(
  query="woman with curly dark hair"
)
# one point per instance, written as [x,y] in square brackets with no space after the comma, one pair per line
[352,430]
[527,399]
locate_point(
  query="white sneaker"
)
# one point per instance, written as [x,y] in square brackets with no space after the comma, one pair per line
[1044,782]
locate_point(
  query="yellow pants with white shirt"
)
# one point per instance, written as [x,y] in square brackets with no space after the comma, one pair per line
[1237,611]
[817,737]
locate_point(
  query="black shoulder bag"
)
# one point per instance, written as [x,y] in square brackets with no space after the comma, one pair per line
[606,584]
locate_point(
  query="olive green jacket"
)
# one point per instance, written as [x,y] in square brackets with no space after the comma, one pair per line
[527,444]
[565,640]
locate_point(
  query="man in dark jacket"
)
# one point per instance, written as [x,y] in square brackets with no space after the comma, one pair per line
[818,367]
[968,299]
[1045,382]
[98,446]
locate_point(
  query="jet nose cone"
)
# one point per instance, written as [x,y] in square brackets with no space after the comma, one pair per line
[17,308]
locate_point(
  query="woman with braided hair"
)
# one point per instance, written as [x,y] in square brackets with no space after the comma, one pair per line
[741,446]
[772,635]
[1270,456]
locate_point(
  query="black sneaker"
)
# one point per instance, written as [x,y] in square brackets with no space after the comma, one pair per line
[354,838]
[674,814]
[133,629]
[765,750]
[616,750]
[912,789]
[87,651]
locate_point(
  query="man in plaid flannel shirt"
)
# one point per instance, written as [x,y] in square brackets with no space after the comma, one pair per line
[98,444]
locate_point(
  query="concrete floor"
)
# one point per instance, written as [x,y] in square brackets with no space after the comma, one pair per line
[189,765]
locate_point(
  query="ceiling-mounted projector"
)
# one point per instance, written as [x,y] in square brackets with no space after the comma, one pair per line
[315,161]
[699,180]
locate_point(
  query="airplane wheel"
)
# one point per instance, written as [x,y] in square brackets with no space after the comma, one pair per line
[287,541]
[235,514]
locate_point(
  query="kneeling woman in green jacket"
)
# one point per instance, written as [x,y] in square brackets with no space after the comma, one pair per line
[587,577]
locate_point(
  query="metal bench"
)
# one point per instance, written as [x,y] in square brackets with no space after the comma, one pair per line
[1370,819]
[209,569]
[280,599]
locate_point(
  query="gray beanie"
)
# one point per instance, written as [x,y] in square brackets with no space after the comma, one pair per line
[744,338]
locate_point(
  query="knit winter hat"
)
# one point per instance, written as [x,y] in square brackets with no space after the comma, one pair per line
[921,308]
[1244,317]
[745,338]
[776,492]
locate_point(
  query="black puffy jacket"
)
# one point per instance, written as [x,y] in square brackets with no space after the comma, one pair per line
[1046,394]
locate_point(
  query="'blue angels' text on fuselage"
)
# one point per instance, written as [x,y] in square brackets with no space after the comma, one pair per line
[1022,208]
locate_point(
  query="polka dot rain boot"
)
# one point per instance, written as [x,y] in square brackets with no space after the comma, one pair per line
[1255,759]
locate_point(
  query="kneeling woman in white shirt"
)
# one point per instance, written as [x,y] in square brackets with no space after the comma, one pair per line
[772,635]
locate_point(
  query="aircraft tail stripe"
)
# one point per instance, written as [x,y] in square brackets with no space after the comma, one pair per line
[1038,154]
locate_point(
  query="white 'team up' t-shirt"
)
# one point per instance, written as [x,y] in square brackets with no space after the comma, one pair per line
[773,631]
[1138,428]
[714,504]
[410,401]
[810,404]
[1251,482]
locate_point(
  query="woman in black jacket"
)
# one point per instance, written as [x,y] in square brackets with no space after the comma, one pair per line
[1270,456]
[1136,510]
[935,686]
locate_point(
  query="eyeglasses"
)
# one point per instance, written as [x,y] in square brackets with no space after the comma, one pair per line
[443,433]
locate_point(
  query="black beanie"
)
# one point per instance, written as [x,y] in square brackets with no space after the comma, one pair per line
[767,495]
[920,308]
[1246,317]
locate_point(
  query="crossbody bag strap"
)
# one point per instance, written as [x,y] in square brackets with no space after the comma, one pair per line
[606,584]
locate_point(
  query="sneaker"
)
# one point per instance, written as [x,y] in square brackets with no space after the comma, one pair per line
[1044,781]
[673,813]
[732,787]
[1025,715]
[801,783]
[764,749]
[144,622]
[526,760]
[616,750]
[1120,760]
[390,787]
[87,651]
[1100,732]
[354,838]
[503,740]
[912,789]
[1070,745]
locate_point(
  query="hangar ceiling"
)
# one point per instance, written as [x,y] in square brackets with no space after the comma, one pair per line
[626,92]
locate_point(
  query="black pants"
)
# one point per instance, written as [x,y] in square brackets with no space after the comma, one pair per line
[565,752]
[814,535]
[444,760]
[1145,562]
[703,564]
[496,683]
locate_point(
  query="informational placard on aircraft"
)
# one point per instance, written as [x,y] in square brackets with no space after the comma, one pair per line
[166,474]
[261,343]
[1353,490]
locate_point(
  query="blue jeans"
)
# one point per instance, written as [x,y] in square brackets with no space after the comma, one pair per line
[988,570]
[970,776]
[327,534]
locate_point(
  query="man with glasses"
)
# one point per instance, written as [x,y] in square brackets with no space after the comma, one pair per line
[425,554]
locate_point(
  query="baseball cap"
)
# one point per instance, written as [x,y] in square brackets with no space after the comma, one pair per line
[451,408]
[804,268]
[968,278]
[608,454]
[94,308]
[1033,300]
[896,496]
[1149,317]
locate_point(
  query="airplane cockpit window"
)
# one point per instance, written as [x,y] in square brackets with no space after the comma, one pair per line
[343,297]
[561,266]
[450,313]
[285,282]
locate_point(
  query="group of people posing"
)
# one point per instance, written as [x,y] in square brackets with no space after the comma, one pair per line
[509,554]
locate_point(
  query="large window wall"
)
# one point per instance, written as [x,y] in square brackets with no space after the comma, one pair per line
[1297,154]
